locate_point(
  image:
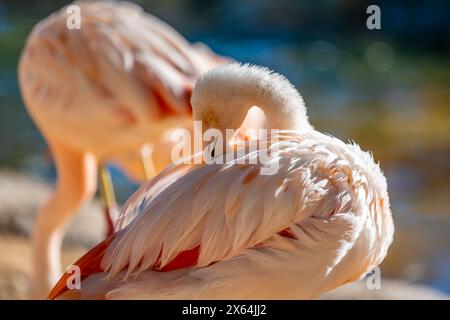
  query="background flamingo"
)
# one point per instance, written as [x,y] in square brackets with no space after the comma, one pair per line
[227,231]
[100,94]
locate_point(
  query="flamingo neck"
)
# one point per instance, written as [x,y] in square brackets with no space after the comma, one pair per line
[223,96]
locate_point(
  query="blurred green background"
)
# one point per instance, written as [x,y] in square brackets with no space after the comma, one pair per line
[386,89]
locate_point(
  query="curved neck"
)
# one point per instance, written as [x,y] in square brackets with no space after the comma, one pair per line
[223,96]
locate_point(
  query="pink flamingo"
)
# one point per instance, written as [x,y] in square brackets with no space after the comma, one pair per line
[109,91]
[226,231]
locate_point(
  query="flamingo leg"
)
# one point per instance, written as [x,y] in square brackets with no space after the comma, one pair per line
[108,199]
[147,161]
[75,185]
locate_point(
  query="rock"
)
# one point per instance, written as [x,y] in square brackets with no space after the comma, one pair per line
[15,265]
[22,195]
[13,285]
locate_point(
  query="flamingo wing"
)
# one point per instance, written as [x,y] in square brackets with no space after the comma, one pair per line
[75,73]
[147,192]
[307,217]
[225,209]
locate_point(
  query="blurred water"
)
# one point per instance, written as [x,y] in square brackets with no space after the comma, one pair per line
[386,90]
